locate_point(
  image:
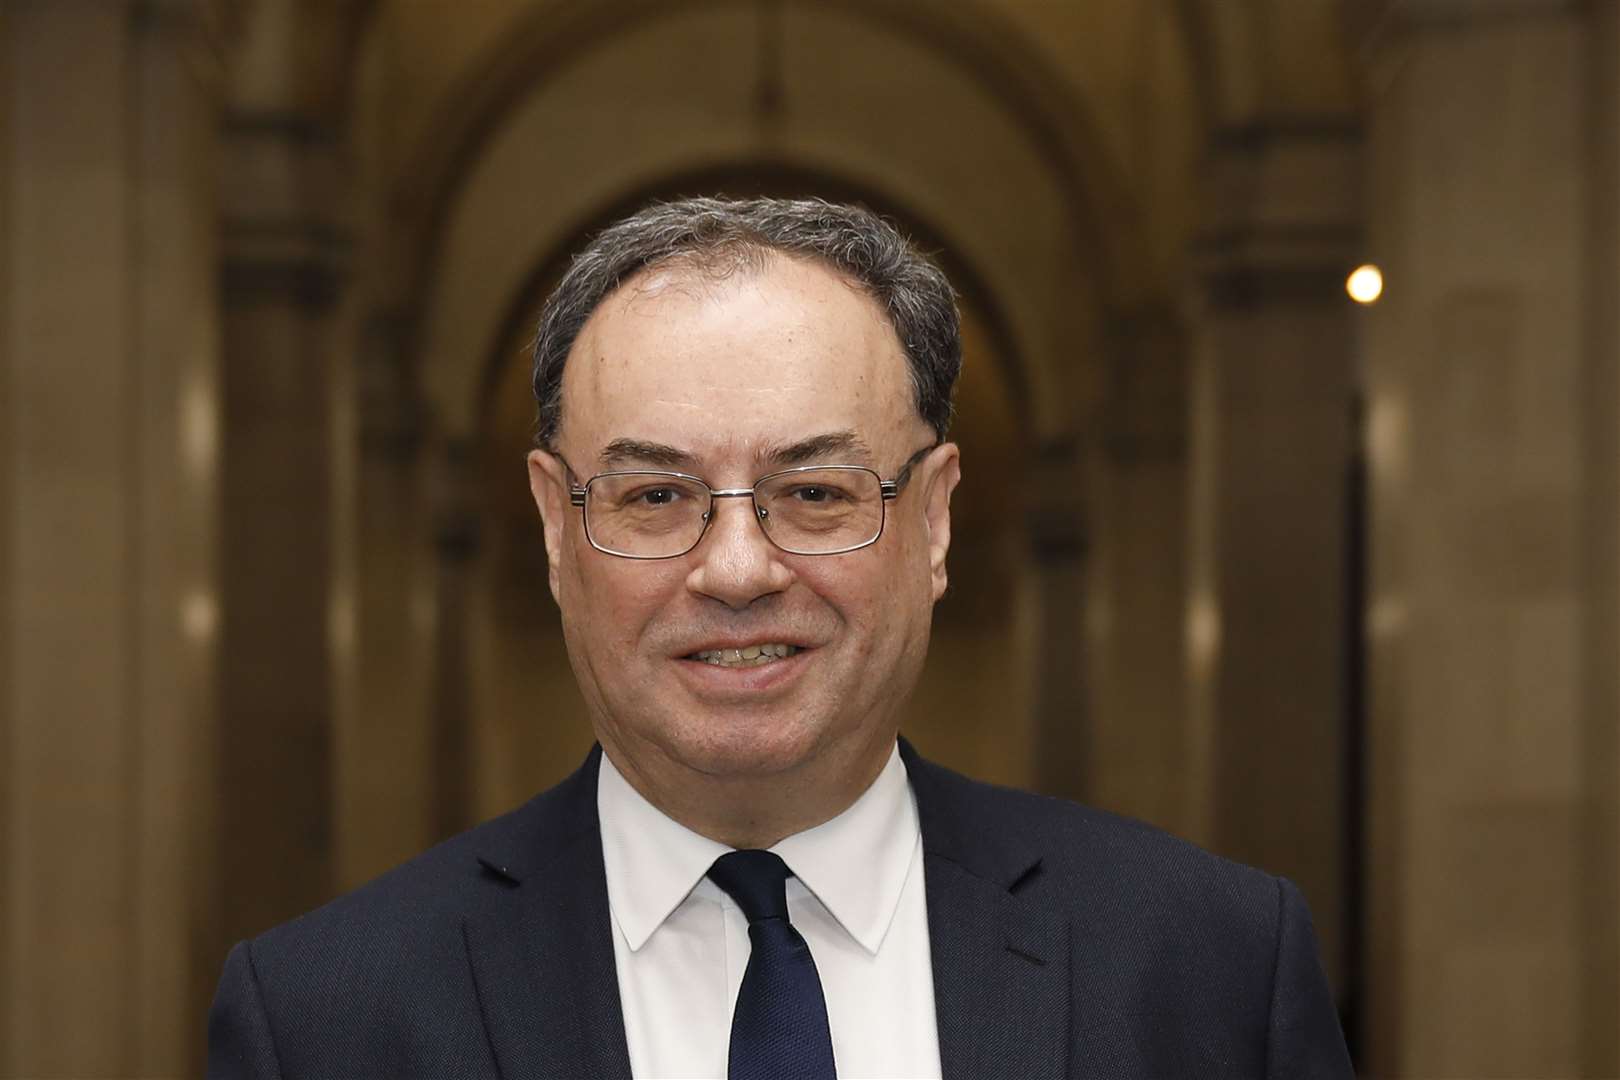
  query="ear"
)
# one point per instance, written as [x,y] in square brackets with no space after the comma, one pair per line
[548,483]
[942,481]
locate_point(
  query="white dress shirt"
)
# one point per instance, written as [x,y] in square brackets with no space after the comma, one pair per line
[680,944]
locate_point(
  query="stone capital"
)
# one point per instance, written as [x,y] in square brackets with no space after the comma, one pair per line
[1431,12]
[1055,507]
[281,231]
[1145,418]
[1285,218]
[392,414]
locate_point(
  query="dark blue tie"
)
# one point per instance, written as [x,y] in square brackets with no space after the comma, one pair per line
[779,1030]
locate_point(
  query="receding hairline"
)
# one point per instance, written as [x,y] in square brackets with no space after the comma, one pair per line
[722,263]
[713,238]
[688,269]
[700,273]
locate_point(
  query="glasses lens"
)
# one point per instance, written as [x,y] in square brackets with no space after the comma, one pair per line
[821,511]
[647,515]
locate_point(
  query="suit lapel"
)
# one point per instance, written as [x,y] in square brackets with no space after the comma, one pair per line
[541,945]
[1001,962]
[540,942]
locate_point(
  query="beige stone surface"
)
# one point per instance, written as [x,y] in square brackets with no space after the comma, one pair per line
[109,397]
[1475,367]
[73,666]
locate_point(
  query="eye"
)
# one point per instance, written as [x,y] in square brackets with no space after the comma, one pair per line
[650,497]
[818,494]
[656,496]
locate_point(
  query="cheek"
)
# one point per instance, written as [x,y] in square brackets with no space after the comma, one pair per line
[874,597]
[908,570]
[611,601]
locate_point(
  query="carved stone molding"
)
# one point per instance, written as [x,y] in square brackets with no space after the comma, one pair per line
[457,532]
[1055,511]
[1430,12]
[1385,31]
[280,232]
[1285,222]
[393,420]
[1144,417]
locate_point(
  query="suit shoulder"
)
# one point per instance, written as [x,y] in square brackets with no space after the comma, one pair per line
[426,897]
[1082,850]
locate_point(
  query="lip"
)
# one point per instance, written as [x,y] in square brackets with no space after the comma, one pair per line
[713,681]
[713,644]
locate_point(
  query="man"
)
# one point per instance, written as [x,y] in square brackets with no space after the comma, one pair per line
[745,487]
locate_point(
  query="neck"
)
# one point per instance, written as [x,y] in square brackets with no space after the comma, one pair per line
[755,810]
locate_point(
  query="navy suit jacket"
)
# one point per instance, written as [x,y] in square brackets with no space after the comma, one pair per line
[1065,942]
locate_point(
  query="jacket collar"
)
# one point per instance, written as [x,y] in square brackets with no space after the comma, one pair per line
[1001,959]
[540,942]
[539,939]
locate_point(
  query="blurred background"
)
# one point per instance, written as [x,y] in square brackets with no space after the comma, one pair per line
[1329,587]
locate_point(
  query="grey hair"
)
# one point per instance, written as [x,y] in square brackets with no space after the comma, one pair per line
[717,236]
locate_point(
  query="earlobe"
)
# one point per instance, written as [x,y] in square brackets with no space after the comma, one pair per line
[937,506]
[548,484]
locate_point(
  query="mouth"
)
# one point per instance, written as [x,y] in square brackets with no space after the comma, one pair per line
[755,655]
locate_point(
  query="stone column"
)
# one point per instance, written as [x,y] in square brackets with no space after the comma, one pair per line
[1490,369]
[1270,417]
[1601,491]
[284,622]
[385,771]
[1056,518]
[457,540]
[108,602]
[1136,577]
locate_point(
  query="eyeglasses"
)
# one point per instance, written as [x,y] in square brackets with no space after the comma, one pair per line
[811,510]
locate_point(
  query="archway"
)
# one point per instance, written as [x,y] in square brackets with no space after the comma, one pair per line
[976,178]
[526,724]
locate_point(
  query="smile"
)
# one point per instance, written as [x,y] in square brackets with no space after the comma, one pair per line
[747,656]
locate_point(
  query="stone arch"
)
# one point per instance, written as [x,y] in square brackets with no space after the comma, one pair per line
[981,44]
[954,114]
[1053,250]
[503,181]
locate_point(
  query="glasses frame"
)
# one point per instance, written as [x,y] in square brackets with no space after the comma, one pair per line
[888,490]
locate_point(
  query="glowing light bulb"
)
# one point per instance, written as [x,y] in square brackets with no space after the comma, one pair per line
[1365,284]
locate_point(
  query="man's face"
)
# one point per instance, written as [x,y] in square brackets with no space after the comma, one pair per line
[729,380]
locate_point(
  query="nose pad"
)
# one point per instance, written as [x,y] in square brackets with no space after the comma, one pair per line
[718,532]
[736,562]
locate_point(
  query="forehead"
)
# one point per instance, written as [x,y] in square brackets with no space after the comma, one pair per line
[728,366]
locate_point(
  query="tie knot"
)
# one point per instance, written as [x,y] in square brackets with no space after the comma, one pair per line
[757,880]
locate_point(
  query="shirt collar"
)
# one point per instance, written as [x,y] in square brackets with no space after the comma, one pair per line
[856,864]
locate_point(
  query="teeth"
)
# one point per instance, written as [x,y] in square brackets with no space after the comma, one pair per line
[750,656]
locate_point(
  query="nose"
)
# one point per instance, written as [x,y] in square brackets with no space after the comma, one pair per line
[735,563]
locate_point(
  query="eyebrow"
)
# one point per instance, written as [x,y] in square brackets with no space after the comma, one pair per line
[840,443]
[642,452]
[622,452]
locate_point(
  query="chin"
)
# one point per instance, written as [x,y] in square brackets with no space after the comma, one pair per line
[752,750]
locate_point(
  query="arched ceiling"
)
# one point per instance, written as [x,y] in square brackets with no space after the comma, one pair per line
[870,101]
[1128,92]
[465,80]
[1119,99]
